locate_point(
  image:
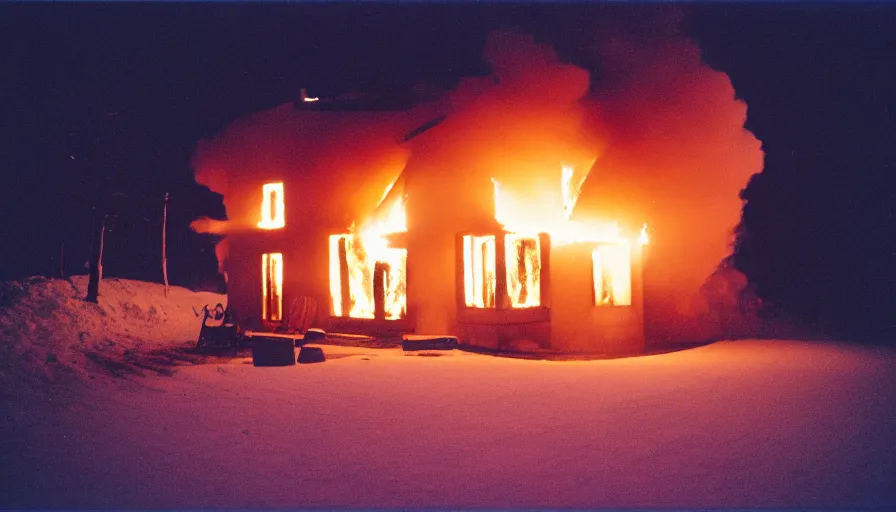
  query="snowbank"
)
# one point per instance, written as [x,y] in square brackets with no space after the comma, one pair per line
[48,331]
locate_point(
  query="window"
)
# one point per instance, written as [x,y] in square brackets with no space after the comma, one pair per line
[511,281]
[479,271]
[523,261]
[272,286]
[367,281]
[612,275]
[272,208]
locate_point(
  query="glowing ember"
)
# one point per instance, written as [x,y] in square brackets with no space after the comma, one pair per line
[368,277]
[272,286]
[479,271]
[272,209]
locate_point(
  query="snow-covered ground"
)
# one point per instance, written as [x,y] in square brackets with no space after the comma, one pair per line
[50,334]
[732,424]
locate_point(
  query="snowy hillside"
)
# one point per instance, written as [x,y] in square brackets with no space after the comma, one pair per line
[48,331]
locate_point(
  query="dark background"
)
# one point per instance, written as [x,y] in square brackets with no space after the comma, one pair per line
[121,93]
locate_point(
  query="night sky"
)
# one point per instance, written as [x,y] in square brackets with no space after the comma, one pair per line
[125,91]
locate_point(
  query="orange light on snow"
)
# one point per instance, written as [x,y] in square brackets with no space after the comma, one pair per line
[272,209]
[272,286]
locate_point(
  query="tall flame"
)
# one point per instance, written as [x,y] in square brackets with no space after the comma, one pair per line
[366,253]
[523,262]
[524,213]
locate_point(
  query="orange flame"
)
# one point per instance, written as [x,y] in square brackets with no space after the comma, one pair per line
[527,212]
[612,275]
[643,239]
[365,253]
[523,263]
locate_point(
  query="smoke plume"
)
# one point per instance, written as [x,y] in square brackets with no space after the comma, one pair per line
[654,135]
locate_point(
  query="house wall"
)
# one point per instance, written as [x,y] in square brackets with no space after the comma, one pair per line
[577,325]
[305,271]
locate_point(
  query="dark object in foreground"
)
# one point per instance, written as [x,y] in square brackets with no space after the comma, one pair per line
[411,342]
[226,335]
[271,351]
[308,355]
[314,334]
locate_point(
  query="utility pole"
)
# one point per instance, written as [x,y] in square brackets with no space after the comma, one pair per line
[164,234]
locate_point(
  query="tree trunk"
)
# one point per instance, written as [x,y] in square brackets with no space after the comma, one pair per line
[164,254]
[96,269]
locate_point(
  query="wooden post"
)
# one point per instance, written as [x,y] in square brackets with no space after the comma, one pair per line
[502,299]
[380,278]
[545,242]
[344,289]
[459,272]
[164,252]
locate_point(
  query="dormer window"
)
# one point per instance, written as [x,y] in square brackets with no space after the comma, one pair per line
[272,209]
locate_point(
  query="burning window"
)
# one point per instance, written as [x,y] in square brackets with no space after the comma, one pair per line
[612,275]
[272,286]
[479,271]
[367,278]
[516,275]
[272,208]
[523,262]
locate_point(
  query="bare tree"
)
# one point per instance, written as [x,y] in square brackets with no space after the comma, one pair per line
[164,235]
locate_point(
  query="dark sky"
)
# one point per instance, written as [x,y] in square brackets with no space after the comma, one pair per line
[131,88]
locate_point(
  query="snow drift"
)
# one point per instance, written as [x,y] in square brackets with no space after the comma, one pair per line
[49,332]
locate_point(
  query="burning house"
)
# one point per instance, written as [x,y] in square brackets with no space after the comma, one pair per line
[457,215]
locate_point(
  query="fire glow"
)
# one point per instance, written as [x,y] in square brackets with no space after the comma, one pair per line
[368,276]
[272,286]
[522,217]
[273,214]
